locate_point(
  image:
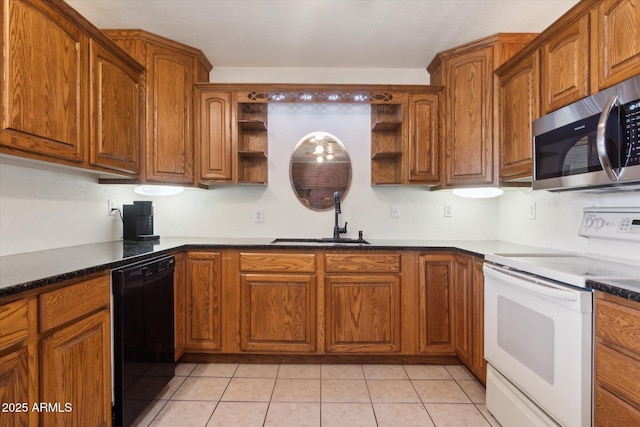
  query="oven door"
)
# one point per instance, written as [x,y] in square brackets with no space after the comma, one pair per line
[538,335]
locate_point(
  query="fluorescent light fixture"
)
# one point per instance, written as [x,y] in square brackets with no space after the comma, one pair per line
[158,190]
[478,192]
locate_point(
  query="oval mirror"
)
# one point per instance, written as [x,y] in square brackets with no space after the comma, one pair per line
[319,167]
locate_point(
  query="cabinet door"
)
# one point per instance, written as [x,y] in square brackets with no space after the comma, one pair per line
[462,308]
[519,105]
[44,84]
[214,138]
[478,363]
[18,385]
[169,127]
[76,373]
[436,304]
[616,41]
[180,305]
[424,141]
[469,141]
[564,66]
[204,326]
[116,101]
[362,314]
[278,312]
[616,361]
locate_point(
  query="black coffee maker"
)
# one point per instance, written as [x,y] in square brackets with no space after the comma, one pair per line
[138,221]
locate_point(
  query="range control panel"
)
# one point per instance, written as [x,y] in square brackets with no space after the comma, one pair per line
[611,223]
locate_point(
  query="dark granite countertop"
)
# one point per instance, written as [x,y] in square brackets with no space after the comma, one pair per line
[624,288]
[22,272]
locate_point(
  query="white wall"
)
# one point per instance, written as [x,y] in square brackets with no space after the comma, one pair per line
[558,219]
[42,209]
[228,211]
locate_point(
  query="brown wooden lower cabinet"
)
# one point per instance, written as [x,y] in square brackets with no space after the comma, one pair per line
[462,308]
[180,305]
[452,308]
[278,312]
[55,349]
[363,313]
[436,303]
[76,373]
[478,363]
[617,361]
[18,385]
[204,301]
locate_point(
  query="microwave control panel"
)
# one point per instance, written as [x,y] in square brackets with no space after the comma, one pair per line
[609,223]
[632,130]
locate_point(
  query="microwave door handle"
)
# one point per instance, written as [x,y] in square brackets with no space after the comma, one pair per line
[601,145]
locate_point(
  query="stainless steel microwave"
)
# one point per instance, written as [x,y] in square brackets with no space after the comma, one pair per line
[592,144]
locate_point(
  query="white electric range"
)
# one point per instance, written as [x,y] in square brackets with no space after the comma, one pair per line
[539,323]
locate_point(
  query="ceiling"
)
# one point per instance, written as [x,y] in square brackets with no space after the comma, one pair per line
[324,34]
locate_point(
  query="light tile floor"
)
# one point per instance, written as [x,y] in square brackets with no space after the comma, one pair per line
[247,395]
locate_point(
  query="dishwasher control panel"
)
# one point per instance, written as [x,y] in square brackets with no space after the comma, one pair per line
[611,223]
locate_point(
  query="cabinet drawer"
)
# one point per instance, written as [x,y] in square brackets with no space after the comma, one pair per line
[15,319]
[611,411]
[280,262]
[362,263]
[618,374]
[65,304]
[618,325]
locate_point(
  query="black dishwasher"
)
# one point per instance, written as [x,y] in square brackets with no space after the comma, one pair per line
[143,342]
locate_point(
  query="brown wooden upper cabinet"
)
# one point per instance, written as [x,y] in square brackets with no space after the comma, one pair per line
[564,71]
[63,79]
[594,45]
[231,136]
[172,71]
[117,108]
[405,139]
[214,135]
[519,105]
[615,47]
[470,108]
[423,150]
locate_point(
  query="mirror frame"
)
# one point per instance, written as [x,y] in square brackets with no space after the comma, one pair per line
[343,194]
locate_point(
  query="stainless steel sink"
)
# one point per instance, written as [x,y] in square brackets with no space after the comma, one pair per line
[323,240]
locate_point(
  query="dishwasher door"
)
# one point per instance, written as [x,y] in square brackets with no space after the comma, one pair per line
[143,335]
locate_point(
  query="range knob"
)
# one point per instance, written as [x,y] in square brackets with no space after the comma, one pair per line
[599,222]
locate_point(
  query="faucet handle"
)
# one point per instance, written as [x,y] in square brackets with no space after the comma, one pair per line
[345,227]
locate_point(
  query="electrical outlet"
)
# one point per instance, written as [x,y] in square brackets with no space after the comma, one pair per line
[395,211]
[448,210]
[532,211]
[112,208]
[258,215]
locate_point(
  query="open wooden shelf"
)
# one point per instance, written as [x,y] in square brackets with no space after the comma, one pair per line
[387,159]
[386,125]
[253,144]
[380,155]
[257,125]
[251,153]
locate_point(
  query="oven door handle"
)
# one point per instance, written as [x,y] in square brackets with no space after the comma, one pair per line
[530,283]
[601,142]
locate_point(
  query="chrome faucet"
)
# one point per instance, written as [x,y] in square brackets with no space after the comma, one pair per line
[337,230]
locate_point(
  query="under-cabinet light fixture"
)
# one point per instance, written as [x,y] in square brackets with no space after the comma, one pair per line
[478,192]
[158,190]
